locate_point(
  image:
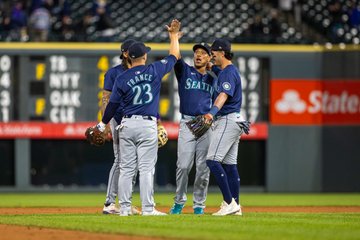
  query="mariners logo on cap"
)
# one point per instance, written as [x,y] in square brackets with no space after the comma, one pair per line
[226,86]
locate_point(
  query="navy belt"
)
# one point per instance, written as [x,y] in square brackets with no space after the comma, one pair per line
[138,116]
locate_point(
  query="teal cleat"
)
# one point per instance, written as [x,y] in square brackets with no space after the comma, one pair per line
[198,211]
[176,209]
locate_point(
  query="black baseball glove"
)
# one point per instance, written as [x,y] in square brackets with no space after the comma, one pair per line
[245,126]
[198,126]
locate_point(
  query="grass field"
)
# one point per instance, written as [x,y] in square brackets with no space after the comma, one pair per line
[253,225]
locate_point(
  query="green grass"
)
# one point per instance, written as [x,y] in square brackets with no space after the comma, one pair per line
[297,226]
[250,226]
[165,199]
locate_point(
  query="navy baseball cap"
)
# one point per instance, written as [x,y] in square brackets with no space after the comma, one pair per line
[221,44]
[204,46]
[125,46]
[138,49]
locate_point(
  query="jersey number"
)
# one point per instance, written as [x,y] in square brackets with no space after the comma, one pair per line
[140,97]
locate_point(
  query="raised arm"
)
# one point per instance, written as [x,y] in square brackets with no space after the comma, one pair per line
[174,35]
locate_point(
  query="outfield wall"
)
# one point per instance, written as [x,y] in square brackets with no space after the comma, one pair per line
[304,102]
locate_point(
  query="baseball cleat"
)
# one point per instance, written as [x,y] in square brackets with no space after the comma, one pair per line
[238,213]
[227,209]
[153,213]
[198,211]
[125,213]
[135,211]
[177,208]
[110,209]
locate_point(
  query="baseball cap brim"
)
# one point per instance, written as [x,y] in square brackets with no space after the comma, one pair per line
[125,46]
[148,49]
[196,46]
[221,45]
[138,50]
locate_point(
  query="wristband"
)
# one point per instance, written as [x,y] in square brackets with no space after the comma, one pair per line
[101,126]
[214,110]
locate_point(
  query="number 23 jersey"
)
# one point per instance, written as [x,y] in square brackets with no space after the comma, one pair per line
[138,88]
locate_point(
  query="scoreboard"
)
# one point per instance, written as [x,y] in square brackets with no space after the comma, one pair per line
[254,73]
[65,87]
[6,87]
[255,81]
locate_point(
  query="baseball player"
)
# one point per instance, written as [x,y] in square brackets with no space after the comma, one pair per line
[195,92]
[223,149]
[138,89]
[109,80]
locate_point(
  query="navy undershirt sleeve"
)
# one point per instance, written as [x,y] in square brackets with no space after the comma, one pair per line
[110,112]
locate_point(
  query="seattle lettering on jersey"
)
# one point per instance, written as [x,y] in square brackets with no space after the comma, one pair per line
[194,84]
[139,78]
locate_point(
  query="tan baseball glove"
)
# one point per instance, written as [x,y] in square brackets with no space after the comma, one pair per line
[162,135]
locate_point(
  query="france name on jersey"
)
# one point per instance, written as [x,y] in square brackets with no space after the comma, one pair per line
[138,88]
[229,82]
[109,81]
[195,89]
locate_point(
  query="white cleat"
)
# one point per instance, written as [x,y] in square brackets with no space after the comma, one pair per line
[111,209]
[238,213]
[227,209]
[154,213]
[125,213]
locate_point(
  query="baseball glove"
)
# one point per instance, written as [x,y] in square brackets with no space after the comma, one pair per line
[95,137]
[245,126]
[198,126]
[162,136]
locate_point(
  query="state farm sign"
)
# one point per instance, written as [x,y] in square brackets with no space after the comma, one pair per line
[315,102]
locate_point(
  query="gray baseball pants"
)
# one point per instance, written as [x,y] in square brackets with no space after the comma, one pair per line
[112,188]
[190,149]
[225,139]
[138,147]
